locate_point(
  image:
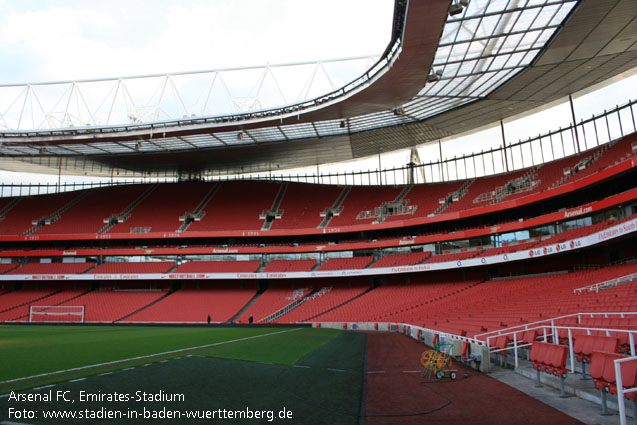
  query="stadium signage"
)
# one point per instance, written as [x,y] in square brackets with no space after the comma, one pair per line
[616,231]
[406,242]
[579,211]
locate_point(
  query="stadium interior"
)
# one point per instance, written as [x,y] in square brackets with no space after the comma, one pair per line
[527,266]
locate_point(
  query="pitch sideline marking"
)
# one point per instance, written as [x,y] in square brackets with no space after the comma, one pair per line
[145,357]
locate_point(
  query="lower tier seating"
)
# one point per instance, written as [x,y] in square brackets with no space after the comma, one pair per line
[329,296]
[474,307]
[15,305]
[109,305]
[277,296]
[198,300]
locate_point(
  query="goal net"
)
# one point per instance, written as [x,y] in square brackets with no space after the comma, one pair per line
[56,313]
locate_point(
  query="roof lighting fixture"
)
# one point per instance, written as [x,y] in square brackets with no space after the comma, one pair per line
[457,7]
[434,76]
[399,111]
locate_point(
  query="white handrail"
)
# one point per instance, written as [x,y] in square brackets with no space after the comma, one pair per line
[552,331]
[620,388]
[528,326]
[607,284]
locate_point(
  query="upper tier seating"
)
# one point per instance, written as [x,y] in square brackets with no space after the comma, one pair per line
[88,215]
[395,260]
[579,232]
[19,219]
[426,198]
[52,268]
[134,267]
[303,204]
[483,191]
[346,263]
[284,266]
[237,206]
[161,210]
[509,247]
[221,300]
[361,199]
[457,256]
[218,267]
[612,154]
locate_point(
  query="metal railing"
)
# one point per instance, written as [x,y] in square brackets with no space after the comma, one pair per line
[607,284]
[549,329]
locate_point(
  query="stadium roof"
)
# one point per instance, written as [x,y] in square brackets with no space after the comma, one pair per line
[442,74]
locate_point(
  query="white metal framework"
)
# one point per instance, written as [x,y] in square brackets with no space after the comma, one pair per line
[480,49]
[56,313]
[153,98]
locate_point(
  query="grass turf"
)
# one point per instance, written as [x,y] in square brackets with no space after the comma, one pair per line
[284,348]
[29,351]
[318,377]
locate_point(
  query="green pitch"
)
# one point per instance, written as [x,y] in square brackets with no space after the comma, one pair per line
[29,351]
[315,373]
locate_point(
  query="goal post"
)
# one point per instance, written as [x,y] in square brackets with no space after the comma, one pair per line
[56,313]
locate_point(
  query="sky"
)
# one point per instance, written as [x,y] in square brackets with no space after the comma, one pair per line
[59,40]
[73,39]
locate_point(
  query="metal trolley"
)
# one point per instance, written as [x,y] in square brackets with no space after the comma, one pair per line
[437,362]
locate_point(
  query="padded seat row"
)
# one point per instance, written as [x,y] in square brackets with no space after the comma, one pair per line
[551,359]
[603,373]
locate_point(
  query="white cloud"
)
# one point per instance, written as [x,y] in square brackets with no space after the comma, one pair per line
[97,40]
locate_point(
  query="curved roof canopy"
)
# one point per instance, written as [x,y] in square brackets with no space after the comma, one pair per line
[443,73]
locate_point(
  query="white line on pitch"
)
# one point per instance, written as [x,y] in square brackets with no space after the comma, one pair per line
[148,355]
[129,368]
[41,388]
[78,380]
[376,371]
[105,373]
[411,371]
[336,370]
[298,365]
